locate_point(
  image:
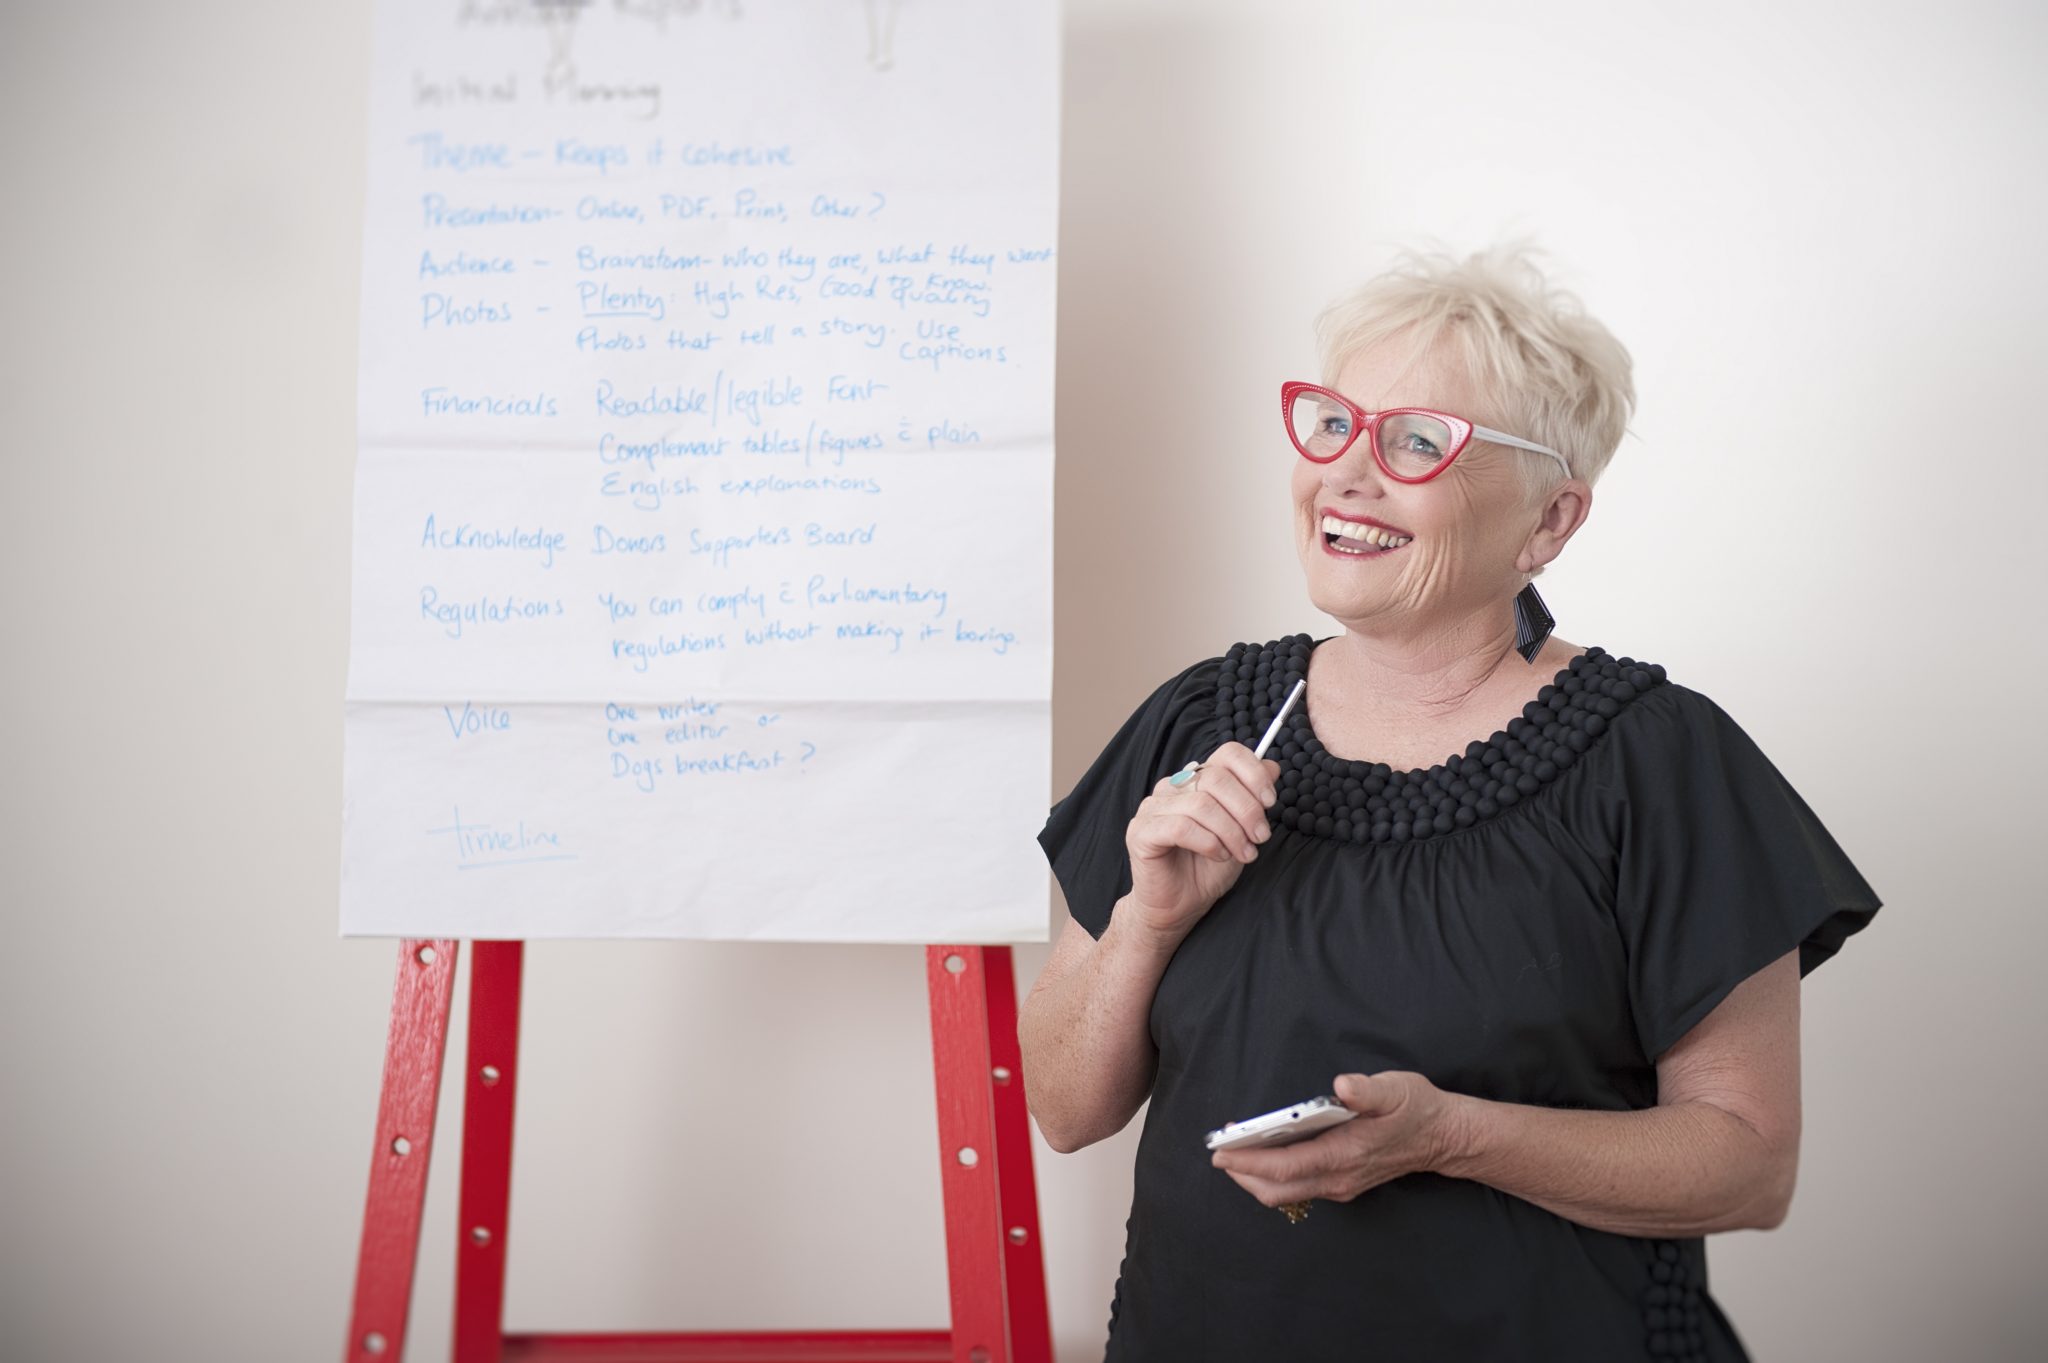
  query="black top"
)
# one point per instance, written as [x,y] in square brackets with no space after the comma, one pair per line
[1533,921]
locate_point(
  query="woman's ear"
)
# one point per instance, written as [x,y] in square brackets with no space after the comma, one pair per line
[1565,508]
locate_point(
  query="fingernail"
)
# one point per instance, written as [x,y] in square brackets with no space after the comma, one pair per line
[1271,795]
[1265,831]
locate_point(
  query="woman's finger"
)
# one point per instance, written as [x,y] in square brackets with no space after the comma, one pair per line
[1166,830]
[1210,813]
[1222,784]
[1273,1194]
[1203,808]
[1296,1162]
[1259,775]
[1164,787]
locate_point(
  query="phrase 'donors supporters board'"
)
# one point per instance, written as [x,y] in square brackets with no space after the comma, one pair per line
[703,523]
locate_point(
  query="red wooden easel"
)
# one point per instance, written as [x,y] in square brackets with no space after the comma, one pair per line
[993,1263]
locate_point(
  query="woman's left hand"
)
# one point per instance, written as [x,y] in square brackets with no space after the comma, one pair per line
[1402,1127]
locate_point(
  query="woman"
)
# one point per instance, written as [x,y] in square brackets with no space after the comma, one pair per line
[1555,975]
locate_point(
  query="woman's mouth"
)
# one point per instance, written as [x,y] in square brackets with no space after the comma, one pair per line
[1351,539]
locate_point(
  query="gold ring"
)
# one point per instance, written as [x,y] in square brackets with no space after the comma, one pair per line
[1295,1210]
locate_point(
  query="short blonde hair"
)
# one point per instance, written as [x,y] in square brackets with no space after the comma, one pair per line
[1547,371]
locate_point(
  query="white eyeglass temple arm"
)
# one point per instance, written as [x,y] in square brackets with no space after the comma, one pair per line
[1497,438]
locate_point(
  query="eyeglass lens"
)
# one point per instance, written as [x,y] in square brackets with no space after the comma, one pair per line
[1412,445]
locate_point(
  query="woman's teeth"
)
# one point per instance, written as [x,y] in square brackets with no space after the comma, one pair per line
[1371,535]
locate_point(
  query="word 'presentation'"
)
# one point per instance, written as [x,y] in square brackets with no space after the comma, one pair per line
[703,502]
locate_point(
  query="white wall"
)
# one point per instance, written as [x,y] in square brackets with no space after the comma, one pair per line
[1816,227]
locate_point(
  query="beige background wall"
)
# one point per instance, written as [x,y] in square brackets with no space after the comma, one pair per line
[1817,227]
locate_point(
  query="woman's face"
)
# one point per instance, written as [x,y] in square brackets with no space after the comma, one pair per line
[1468,529]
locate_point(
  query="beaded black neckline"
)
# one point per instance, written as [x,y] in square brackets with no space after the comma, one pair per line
[1367,802]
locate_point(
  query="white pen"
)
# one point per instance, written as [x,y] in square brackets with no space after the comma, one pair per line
[1273,729]
[1187,773]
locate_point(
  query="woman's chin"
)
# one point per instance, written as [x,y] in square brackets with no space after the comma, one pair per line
[1338,603]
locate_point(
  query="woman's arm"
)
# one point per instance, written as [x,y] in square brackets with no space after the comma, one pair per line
[1086,1030]
[1718,1152]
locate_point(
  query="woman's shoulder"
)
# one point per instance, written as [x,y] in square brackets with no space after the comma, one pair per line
[1677,748]
[1668,710]
[1630,712]
[1599,685]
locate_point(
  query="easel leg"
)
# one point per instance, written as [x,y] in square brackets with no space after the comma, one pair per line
[489,1082]
[1016,1189]
[398,1164]
[995,1270]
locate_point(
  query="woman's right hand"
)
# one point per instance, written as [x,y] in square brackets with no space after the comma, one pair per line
[1189,843]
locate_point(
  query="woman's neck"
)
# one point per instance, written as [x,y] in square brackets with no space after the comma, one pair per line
[1433,692]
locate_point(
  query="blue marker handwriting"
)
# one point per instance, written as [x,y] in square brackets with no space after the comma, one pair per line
[478,845]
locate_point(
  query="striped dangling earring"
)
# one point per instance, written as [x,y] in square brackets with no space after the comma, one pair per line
[1532,623]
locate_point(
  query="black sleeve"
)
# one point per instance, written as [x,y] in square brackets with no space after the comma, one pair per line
[1722,866]
[1083,836]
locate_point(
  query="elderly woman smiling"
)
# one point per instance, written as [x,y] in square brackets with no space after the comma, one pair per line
[1555,975]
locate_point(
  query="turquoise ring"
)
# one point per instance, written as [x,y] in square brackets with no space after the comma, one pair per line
[1185,774]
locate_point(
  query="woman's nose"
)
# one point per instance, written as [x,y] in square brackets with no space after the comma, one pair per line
[1353,468]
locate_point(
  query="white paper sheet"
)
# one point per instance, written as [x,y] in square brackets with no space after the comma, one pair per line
[704,493]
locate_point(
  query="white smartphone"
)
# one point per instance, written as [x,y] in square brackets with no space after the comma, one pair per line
[1282,1126]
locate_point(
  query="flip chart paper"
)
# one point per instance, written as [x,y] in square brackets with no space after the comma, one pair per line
[702,579]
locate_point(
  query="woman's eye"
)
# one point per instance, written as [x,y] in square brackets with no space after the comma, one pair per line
[1336,425]
[1421,448]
